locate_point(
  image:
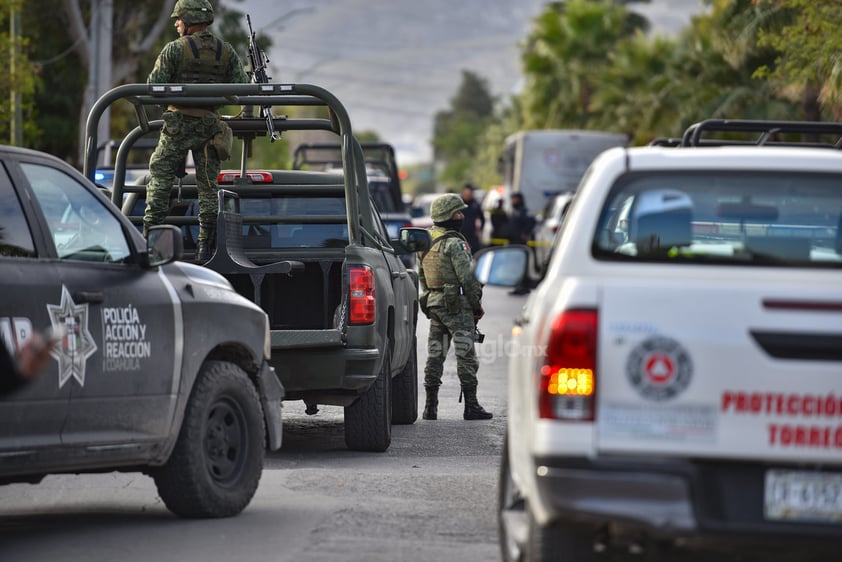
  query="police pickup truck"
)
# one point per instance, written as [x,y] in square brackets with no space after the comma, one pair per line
[310,249]
[159,365]
[676,385]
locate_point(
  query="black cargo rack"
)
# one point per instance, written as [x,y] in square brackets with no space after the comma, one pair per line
[665,141]
[246,126]
[767,133]
[379,155]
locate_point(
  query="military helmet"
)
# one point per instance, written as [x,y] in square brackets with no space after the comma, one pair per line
[444,206]
[192,12]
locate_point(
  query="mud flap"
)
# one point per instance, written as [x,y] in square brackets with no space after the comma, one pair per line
[271,395]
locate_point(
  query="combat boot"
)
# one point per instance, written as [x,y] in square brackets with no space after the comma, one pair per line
[205,248]
[204,251]
[431,408]
[473,410]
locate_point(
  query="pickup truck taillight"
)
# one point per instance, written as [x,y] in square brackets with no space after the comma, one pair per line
[568,377]
[362,304]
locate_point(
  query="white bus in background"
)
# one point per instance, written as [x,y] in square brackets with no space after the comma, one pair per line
[540,163]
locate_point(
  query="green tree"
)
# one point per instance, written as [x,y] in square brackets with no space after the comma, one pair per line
[810,50]
[724,56]
[18,78]
[485,166]
[60,48]
[456,131]
[563,56]
[589,65]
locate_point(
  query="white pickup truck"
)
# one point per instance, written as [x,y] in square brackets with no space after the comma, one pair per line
[676,387]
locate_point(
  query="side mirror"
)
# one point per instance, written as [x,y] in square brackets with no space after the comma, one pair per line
[164,244]
[415,239]
[504,266]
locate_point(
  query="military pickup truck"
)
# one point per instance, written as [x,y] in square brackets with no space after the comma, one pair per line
[311,250]
[158,366]
[384,184]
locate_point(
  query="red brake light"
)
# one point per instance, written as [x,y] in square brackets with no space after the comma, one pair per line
[362,304]
[568,377]
[255,177]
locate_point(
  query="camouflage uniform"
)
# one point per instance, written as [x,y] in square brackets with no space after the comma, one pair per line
[453,302]
[197,58]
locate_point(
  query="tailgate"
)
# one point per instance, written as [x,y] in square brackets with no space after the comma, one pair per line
[718,368]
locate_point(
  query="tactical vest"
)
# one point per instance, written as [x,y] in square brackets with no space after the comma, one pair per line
[203,60]
[438,269]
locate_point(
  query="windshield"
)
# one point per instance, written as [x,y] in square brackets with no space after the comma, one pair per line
[780,219]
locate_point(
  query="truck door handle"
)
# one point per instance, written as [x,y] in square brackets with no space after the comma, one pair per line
[93,297]
[397,274]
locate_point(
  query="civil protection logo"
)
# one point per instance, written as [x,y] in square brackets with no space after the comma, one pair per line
[659,368]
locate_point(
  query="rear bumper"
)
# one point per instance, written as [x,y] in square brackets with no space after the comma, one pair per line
[704,501]
[328,375]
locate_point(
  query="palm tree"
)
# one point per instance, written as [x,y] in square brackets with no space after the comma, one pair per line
[566,50]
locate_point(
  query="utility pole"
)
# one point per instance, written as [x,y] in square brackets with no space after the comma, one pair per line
[16,136]
[99,71]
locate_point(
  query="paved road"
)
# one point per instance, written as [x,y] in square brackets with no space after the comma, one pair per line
[431,496]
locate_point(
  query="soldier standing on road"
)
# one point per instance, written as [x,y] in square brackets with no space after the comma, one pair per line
[453,305]
[197,56]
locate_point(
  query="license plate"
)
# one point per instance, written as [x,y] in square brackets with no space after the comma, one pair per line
[803,496]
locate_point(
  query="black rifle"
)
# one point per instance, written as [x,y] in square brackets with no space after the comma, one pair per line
[258,61]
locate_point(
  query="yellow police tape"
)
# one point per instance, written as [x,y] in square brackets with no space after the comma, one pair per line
[530,243]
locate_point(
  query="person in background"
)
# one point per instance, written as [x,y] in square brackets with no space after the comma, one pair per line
[197,56]
[453,302]
[474,218]
[15,371]
[499,222]
[521,225]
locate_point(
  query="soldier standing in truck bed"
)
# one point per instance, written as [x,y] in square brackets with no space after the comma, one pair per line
[197,56]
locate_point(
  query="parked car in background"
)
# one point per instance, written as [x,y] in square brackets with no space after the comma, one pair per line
[675,384]
[549,222]
[420,210]
[137,166]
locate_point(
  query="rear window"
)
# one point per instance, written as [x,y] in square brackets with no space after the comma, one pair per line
[777,219]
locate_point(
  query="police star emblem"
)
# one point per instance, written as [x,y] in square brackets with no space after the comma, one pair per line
[77,345]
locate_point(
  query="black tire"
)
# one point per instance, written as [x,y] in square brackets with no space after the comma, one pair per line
[200,479]
[405,390]
[511,512]
[368,421]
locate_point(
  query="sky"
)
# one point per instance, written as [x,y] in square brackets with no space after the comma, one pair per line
[395,63]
